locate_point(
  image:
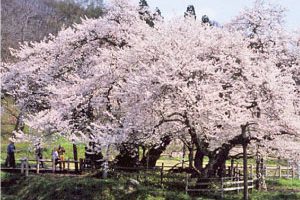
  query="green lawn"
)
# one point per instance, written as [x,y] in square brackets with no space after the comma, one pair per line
[43,187]
[82,187]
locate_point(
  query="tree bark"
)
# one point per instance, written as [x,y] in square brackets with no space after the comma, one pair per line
[245,162]
[198,160]
[20,123]
[218,157]
[154,153]
[260,183]
[191,156]
[128,156]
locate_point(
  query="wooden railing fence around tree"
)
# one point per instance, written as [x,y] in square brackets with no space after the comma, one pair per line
[56,166]
[216,185]
[278,171]
[65,166]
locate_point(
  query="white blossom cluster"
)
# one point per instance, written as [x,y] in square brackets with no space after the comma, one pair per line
[116,78]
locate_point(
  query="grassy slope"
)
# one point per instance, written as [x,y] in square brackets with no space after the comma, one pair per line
[58,187]
[44,187]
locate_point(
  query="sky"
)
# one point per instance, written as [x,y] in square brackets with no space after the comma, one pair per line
[222,10]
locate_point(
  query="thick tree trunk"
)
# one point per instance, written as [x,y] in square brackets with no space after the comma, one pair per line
[191,157]
[215,166]
[154,153]
[198,160]
[245,162]
[217,159]
[128,156]
[20,123]
[260,183]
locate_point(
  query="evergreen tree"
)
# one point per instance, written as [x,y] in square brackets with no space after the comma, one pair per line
[145,13]
[143,3]
[157,14]
[190,12]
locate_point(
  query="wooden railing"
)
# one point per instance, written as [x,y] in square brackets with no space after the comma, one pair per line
[216,185]
[236,171]
[63,165]
[270,171]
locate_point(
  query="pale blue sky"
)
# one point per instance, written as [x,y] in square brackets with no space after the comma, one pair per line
[222,10]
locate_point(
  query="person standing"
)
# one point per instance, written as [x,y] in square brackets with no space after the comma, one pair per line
[55,156]
[61,151]
[10,160]
[39,154]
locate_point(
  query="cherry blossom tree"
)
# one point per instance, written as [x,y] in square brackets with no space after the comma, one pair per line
[117,80]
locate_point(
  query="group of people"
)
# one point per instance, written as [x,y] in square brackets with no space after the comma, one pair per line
[57,154]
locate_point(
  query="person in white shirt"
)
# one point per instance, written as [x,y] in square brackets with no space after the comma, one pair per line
[55,156]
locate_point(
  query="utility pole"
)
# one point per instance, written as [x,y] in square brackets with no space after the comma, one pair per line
[245,161]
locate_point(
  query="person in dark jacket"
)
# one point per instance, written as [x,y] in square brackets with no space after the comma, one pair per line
[39,154]
[10,160]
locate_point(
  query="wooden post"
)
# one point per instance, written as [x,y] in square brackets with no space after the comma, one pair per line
[147,160]
[27,167]
[75,156]
[68,165]
[53,165]
[60,165]
[186,183]
[293,172]
[161,174]
[238,185]
[222,188]
[183,156]
[138,175]
[288,170]
[105,164]
[229,172]
[279,168]
[80,163]
[38,166]
[251,171]
[232,168]
[22,165]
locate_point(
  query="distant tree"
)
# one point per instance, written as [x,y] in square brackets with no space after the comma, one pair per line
[143,3]
[157,14]
[32,20]
[190,12]
[145,13]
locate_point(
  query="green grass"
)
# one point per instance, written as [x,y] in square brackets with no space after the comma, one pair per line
[83,187]
[278,189]
[286,184]
[43,187]
[255,195]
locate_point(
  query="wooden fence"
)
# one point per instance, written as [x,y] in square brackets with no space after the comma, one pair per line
[270,171]
[216,185]
[63,166]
